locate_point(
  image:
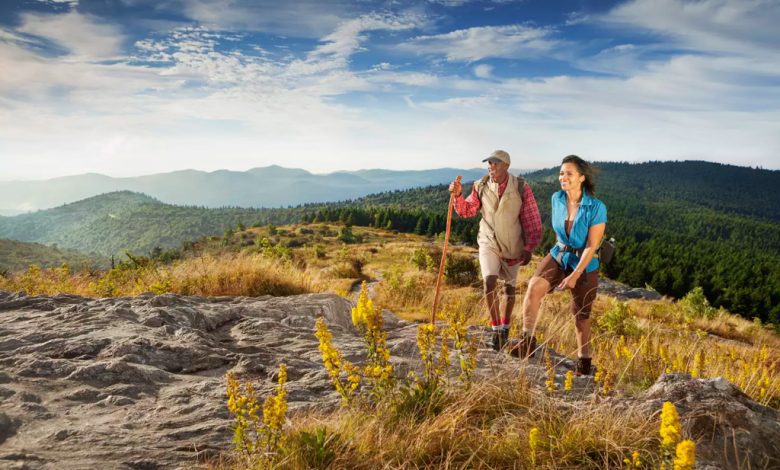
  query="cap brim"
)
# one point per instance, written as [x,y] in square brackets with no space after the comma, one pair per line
[493,160]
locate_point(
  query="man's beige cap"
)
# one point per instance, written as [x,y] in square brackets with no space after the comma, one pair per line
[498,156]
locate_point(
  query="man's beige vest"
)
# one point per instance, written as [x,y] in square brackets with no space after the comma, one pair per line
[500,228]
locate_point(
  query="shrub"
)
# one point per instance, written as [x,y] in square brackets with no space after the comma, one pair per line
[346,235]
[398,290]
[351,268]
[294,243]
[696,305]
[319,251]
[460,270]
[426,259]
[618,320]
[270,250]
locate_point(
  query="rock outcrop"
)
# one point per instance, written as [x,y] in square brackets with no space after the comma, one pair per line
[730,429]
[138,382]
[623,292]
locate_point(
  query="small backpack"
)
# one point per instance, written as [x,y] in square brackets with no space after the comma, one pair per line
[606,251]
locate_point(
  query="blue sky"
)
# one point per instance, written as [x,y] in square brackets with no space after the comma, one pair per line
[131,87]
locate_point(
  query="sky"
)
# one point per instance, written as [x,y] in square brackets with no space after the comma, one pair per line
[133,87]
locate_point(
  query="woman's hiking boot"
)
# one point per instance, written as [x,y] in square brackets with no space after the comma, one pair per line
[583,366]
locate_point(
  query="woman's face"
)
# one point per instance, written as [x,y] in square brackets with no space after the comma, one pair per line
[570,178]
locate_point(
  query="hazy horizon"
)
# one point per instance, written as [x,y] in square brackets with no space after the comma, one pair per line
[513,169]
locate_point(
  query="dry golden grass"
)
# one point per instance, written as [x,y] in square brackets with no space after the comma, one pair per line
[247,274]
[236,274]
[485,427]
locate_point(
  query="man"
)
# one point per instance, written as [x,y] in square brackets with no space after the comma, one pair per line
[509,231]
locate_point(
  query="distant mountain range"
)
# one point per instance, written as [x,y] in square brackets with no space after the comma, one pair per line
[271,186]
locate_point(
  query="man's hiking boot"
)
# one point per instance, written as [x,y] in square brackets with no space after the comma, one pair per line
[583,366]
[524,348]
[499,339]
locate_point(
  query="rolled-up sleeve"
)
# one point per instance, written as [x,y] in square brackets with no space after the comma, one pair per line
[468,207]
[599,215]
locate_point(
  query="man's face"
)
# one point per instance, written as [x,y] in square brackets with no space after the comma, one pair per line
[498,171]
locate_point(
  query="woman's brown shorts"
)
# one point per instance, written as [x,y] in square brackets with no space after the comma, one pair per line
[584,292]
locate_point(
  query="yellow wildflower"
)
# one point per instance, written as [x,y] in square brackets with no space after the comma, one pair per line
[698,364]
[567,384]
[686,455]
[670,426]
[533,443]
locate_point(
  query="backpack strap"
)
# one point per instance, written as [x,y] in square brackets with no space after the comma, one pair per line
[482,184]
[520,185]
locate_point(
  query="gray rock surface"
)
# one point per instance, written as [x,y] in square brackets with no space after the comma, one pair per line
[623,292]
[138,383]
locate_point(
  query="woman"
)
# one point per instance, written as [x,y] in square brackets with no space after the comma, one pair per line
[578,220]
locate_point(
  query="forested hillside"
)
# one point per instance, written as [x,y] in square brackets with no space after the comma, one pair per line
[17,256]
[678,225]
[112,223]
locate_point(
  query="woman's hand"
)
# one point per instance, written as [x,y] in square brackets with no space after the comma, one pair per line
[570,281]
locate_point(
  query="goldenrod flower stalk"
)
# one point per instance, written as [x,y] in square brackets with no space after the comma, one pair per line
[465,347]
[258,439]
[634,461]
[621,350]
[426,343]
[698,364]
[567,384]
[274,413]
[533,443]
[242,404]
[368,319]
[606,386]
[444,355]
[548,364]
[344,376]
[670,426]
[686,455]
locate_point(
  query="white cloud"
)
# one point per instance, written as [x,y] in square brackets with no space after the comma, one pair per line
[299,18]
[347,39]
[477,43]
[461,104]
[483,71]
[51,2]
[81,35]
[745,26]
[450,3]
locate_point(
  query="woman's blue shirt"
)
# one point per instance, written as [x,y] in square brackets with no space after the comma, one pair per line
[591,212]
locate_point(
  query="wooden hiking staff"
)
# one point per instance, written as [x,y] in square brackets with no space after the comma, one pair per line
[443,255]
